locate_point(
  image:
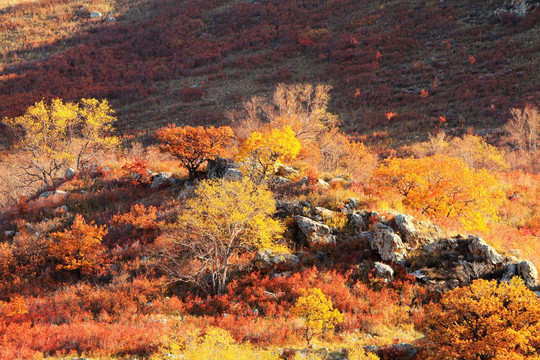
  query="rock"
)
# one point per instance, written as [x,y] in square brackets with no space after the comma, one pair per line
[9,233]
[47,194]
[280,180]
[325,213]
[61,209]
[176,181]
[283,170]
[388,244]
[358,222]
[159,179]
[232,174]
[95,15]
[405,225]
[529,273]
[216,168]
[479,247]
[314,232]
[323,184]
[352,204]
[69,173]
[404,351]
[383,271]
[269,258]
[111,19]
[420,275]
[338,182]
[510,272]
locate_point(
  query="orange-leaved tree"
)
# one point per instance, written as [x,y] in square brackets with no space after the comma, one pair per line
[317,311]
[484,321]
[441,186]
[78,248]
[194,145]
[262,151]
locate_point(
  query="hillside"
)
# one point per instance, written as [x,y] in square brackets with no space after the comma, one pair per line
[190,62]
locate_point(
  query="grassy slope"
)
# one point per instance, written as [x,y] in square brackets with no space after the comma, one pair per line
[378,56]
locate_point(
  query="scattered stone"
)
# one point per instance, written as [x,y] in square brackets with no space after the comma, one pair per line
[352,204]
[325,213]
[528,272]
[47,194]
[479,247]
[313,231]
[388,244]
[176,181]
[280,180]
[283,170]
[160,179]
[358,222]
[323,184]
[9,233]
[69,173]
[420,275]
[384,271]
[232,174]
[111,19]
[268,258]
[95,15]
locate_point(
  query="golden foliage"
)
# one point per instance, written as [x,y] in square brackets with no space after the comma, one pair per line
[262,151]
[485,320]
[441,186]
[62,134]
[214,344]
[194,145]
[317,311]
[223,218]
[78,248]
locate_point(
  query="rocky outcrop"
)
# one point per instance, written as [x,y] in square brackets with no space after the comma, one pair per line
[528,272]
[47,194]
[479,247]
[405,226]
[284,170]
[388,244]
[95,15]
[70,172]
[383,271]
[313,231]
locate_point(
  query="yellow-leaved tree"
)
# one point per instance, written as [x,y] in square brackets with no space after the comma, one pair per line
[317,311]
[441,186]
[78,248]
[222,219]
[486,321]
[52,137]
[214,344]
[262,151]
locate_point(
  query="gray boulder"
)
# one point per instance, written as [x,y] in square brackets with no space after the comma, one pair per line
[160,179]
[232,174]
[528,272]
[95,15]
[269,258]
[405,225]
[479,247]
[388,244]
[313,231]
[383,271]
[284,170]
[69,173]
[47,194]
[357,221]
[510,272]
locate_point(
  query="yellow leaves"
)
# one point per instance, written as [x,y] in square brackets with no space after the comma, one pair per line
[262,151]
[216,344]
[78,248]
[484,320]
[317,311]
[442,186]
[17,306]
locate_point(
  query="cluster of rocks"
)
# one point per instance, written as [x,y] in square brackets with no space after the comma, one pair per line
[439,261]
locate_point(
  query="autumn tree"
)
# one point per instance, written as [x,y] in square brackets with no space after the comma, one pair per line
[317,311]
[222,219]
[78,248]
[524,133]
[194,145]
[441,186]
[52,137]
[484,321]
[262,151]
